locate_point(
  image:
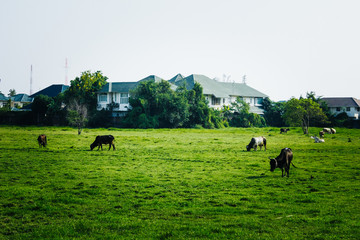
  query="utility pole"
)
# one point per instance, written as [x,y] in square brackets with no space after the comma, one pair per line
[66,71]
[31,81]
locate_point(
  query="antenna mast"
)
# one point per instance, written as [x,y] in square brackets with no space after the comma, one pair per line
[66,71]
[31,81]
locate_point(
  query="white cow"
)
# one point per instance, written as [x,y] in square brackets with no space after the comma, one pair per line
[318,140]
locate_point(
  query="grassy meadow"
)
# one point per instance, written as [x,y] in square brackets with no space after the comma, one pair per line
[177,184]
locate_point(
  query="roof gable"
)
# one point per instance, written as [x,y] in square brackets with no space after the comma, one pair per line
[51,91]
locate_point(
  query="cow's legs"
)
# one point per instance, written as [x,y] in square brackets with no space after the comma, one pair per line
[282,172]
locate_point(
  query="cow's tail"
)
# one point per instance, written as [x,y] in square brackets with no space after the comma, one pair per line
[293,165]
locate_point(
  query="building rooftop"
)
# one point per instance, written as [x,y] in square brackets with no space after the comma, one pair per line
[341,101]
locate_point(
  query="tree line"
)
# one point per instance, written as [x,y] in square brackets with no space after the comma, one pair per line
[156,105]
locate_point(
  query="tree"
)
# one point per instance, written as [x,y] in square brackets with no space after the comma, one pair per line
[303,112]
[12,93]
[84,89]
[273,112]
[242,117]
[40,107]
[77,114]
[157,105]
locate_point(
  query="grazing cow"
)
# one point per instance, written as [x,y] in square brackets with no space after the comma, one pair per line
[333,131]
[42,140]
[282,161]
[284,130]
[321,134]
[106,139]
[327,130]
[317,140]
[255,142]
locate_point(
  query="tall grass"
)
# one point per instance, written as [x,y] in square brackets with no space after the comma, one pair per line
[177,184]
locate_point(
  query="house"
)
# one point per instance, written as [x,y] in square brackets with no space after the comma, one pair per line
[3,100]
[349,105]
[115,95]
[219,94]
[20,100]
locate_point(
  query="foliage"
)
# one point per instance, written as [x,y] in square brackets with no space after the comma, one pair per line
[303,112]
[177,184]
[273,112]
[240,115]
[83,89]
[40,106]
[156,105]
[12,93]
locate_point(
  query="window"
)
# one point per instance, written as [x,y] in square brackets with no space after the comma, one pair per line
[258,101]
[124,98]
[348,109]
[215,101]
[338,109]
[358,109]
[103,97]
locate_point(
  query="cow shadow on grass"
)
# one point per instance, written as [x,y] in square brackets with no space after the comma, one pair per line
[257,176]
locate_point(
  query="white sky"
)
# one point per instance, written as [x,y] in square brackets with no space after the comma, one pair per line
[285,47]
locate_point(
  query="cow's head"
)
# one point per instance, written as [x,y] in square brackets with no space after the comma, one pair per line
[273,164]
[92,146]
[248,147]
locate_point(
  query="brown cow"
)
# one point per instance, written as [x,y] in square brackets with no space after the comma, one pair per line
[42,140]
[105,139]
[282,161]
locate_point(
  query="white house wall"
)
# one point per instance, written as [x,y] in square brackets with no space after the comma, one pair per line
[113,98]
[353,112]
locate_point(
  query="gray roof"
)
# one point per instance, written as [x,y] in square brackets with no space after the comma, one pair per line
[152,78]
[220,89]
[210,86]
[120,87]
[177,78]
[342,102]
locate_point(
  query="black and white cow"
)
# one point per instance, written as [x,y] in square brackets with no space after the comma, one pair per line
[255,142]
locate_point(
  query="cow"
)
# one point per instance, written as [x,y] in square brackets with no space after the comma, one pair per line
[327,130]
[333,131]
[321,134]
[282,161]
[105,139]
[42,140]
[255,142]
[284,130]
[317,140]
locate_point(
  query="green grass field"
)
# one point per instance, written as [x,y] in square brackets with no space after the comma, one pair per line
[177,184]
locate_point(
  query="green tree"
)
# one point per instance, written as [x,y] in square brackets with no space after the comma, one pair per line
[12,93]
[273,112]
[242,117]
[157,105]
[40,107]
[83,89]
[303,112]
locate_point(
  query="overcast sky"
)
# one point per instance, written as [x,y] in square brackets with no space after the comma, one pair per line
[285,47]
